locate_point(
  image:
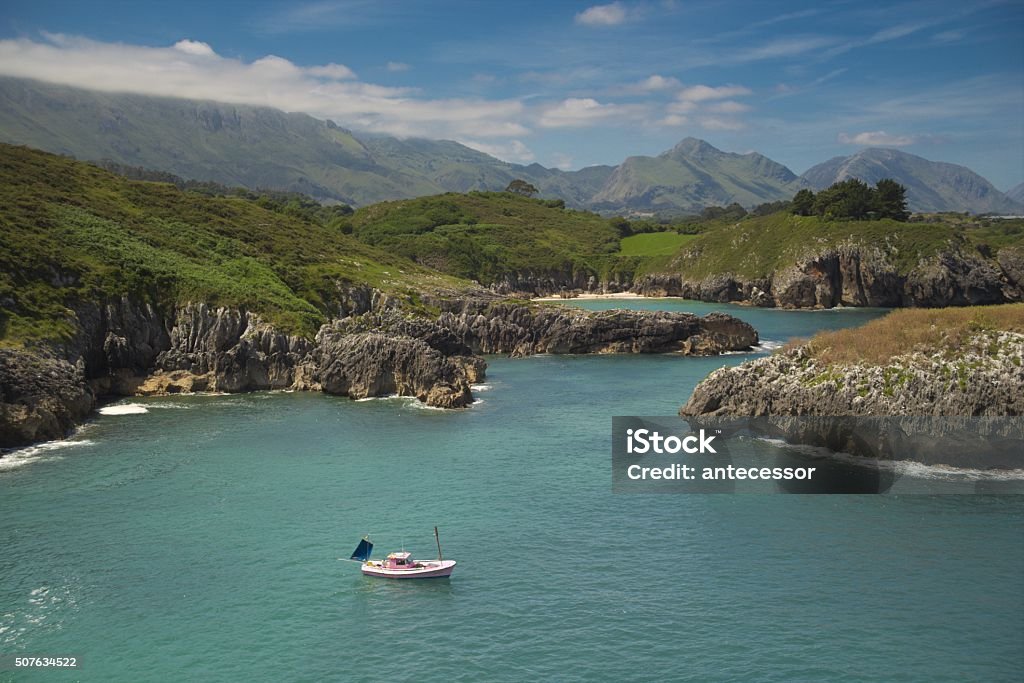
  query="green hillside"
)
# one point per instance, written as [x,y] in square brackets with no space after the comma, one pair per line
[654,244]
[484,235]
[759,245]
[74,233]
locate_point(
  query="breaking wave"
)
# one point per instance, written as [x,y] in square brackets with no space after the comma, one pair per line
[124,409]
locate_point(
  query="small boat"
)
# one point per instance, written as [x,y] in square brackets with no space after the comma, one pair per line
[401,565]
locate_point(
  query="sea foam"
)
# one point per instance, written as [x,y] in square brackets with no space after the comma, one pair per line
[43,451]
[124,409]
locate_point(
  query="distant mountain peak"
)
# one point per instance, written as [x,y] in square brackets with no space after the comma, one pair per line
[261,147]
[931,185]
[1016,193]
[692,147]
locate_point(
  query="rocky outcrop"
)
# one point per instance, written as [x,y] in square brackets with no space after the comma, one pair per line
[532,284]
[41,397]
[520,330]
[376,349]
[858,275]
[371,364]
[984,378]
[490,325]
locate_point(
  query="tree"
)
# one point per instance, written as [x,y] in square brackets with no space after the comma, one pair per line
[621,225]
[521,187]
[733,212]
[891,200]
[849,199]
[803,203]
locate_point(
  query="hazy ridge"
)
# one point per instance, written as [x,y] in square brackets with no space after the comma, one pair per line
[261,147]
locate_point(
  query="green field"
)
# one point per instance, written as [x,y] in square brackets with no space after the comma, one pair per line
[653,244]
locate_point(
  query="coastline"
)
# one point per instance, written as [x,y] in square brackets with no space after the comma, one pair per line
[612,295]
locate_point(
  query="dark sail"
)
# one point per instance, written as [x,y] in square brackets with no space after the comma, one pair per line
[363,550]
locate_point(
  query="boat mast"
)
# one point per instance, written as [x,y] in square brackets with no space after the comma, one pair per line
[438,539]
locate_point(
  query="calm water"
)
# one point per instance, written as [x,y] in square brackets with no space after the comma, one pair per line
[199,541]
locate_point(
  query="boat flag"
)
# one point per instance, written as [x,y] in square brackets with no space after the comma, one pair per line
[363,550]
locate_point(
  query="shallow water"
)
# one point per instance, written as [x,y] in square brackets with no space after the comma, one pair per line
[200,541]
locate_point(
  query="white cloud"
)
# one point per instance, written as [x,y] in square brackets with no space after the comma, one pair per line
[704,103]
[681,107]
[333,71]
[192,69]
[602,15]
[727,107]
[579,112]
[876,138]
[513,151]
[561,161]
[397,66]
[783,47]
[703,93]
[193,47]
[714,123]
[673,120]
[656,82]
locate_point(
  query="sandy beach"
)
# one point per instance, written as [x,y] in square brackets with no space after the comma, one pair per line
[614,295]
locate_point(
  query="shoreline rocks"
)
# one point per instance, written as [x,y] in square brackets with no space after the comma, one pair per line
[846,275]
[853,275]
[375,349]
[983,379]
[41,397]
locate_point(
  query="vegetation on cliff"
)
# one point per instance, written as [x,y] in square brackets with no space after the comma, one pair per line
[853,198]
[74,233]
[758,246]
[906,331]
[942,362]
[486,235]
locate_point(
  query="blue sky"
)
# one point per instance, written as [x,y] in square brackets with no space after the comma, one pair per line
[572,84]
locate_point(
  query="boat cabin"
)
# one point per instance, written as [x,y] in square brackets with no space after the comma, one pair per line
[402,560]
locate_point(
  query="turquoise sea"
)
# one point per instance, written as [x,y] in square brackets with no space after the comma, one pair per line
[199,541]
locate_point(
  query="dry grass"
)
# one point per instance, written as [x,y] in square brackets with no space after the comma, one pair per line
[913,329]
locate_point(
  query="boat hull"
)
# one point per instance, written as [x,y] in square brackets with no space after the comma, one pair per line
[435,569]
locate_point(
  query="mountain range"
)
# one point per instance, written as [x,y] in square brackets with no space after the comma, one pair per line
[261,147]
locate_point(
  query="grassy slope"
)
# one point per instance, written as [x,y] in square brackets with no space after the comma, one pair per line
[914,329]
[756,247]
[654,244]
[483,235]
[73,233]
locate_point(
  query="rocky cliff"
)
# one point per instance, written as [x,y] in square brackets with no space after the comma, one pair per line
[850,274]
[984,378]
[374,348]
[522,330]
[859,275]
[41,397]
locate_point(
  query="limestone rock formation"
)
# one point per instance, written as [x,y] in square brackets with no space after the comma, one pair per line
[41,397]
[984,379]
[372,349]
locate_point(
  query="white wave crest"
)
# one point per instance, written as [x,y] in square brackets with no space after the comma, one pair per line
[39,452]
[124,409]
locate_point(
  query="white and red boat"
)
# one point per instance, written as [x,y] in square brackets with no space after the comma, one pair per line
[401,565]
